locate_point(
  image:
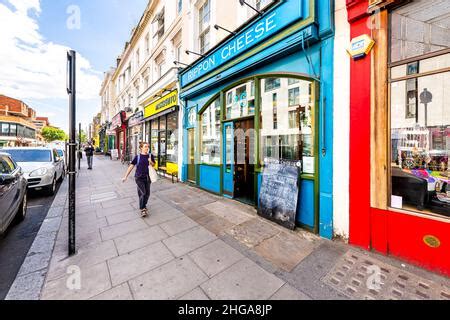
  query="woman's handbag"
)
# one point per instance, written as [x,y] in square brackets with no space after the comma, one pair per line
[153,174]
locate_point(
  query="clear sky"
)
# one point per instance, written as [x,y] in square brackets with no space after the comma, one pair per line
[34,37]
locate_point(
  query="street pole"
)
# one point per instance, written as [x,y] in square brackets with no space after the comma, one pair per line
[71,90]
[79,148]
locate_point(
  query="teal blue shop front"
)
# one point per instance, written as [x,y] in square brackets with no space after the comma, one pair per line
[265,92]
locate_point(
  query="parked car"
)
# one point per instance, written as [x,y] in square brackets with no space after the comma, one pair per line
[42,167]
[13,192]
[62,155]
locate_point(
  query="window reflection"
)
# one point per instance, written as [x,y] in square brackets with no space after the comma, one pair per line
[210,134]
[240,101]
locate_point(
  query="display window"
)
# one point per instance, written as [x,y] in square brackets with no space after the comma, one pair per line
[287,120]
[172,138]
[210,134]
[240,101]
[420,136]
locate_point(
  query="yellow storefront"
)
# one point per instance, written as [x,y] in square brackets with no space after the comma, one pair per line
[161,117]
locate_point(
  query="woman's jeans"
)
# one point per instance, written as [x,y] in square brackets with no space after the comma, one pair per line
[143,187]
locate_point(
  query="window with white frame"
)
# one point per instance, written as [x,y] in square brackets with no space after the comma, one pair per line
[160,63]
[147,45]
[138,59]
[159,25]
[204,17]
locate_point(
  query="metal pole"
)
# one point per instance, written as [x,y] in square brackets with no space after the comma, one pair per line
[79,148]
[72,148]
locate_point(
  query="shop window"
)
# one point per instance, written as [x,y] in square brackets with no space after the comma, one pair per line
[210,134]
[287,120]
[172,138]
[154,137]
[420,144]
[13,129]
[240,101]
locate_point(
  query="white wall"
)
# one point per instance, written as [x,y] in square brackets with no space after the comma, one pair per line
[341,122]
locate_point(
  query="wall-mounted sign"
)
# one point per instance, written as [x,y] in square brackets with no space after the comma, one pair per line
[117,121]
[432,241]
[360,46]
[263,28]
[168,101]
[136,119]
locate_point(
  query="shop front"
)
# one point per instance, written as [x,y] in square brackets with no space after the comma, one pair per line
[400,131]
[135,133]
[161,122]
[263,94]
[118,125]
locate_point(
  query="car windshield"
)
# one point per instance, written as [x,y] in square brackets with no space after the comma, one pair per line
[20,155]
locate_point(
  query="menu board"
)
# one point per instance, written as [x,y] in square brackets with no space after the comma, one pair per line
[278,197]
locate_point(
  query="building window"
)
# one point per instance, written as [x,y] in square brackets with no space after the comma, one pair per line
[160,65]
[172,137]
[4,129]
[138,59]
[147,45]
[210,134]
[272,84]
[204,29]
[420,142]
[240,101]
[159,25]
[287,120]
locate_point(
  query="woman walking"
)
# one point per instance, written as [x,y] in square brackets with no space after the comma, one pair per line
[142,177]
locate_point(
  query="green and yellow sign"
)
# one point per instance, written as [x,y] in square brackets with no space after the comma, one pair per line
[168,101]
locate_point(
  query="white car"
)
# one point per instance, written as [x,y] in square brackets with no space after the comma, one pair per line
[42,167]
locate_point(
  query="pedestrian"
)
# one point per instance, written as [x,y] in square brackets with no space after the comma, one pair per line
[89,150]
[142,175]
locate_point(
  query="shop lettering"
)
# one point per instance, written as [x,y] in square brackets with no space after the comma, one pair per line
[171,100]
[249,37]
[235,47]
[205,66]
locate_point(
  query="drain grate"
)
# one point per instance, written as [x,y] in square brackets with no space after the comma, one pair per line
[364,278]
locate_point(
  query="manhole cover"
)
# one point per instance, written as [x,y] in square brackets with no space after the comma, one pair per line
[364,278]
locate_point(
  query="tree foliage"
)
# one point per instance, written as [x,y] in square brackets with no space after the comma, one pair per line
[53,134]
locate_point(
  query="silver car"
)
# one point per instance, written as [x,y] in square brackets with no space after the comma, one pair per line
[42,167]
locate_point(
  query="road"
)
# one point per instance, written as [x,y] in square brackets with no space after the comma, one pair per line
[16,242]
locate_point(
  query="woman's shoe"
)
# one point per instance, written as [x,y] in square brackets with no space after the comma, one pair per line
[143,213]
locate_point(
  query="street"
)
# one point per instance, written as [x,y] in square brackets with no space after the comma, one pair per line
[14,245]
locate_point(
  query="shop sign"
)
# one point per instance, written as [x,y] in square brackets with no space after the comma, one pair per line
[110,132]
[117,121]
[168,101]
[136,119]
[360,46]
[265,27]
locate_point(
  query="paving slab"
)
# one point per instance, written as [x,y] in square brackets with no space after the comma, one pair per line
[168,282]
[120,293]
[285,250]
[215,257]
[133,264]
[243,281]
[195,295]
[253,232]
[122,229]
[139,239]
[230,212]
[122,217]
[189,240]
[288,293]
[215,224]
[93,281]
[178,225]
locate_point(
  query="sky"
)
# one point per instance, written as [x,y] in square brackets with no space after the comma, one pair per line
[34,38]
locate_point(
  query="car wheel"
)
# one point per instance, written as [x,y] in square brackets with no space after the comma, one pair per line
[21,214]
[52,188]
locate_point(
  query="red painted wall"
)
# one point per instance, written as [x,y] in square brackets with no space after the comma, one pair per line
[359,134]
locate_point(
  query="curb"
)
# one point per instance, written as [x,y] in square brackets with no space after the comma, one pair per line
[30,280]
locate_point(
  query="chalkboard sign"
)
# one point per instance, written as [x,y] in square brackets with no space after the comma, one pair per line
[278,196]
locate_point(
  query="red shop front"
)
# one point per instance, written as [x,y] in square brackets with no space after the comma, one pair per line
[400,131]
[118,123]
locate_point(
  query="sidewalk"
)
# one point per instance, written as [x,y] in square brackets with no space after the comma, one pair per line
[196,245]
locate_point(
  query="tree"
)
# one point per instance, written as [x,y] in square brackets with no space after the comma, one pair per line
[53,134]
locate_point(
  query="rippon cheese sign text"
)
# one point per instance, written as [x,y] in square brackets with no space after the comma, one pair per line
[263,28]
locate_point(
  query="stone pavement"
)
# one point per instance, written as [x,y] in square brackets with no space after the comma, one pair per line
[196,245]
